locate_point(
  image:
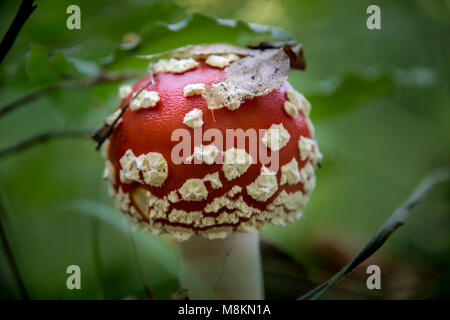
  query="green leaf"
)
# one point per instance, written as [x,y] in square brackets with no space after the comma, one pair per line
[342,93]
[98,51]
[196,29]
[64,67]
[39,67]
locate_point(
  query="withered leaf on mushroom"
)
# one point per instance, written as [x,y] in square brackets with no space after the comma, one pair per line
[202,197]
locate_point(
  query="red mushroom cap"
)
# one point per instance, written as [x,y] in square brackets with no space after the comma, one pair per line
[223,184]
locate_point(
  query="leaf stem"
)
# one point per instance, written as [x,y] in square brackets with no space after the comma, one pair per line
[393,223]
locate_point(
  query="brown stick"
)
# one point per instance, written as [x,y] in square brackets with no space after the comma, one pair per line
[101,134]
[25,10]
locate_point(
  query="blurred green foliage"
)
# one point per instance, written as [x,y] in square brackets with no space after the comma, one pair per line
[380,108]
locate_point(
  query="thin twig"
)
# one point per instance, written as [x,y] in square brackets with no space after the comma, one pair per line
[41,138]
[10,258]
[26,99]
[103,76]
[394,222]
[219,279]
[25,10]
[147,290]
[101,134]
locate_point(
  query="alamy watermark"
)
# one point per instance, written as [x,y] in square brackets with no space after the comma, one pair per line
[374,20]
[374,280]
[234,138]
[74,20]
[74,280]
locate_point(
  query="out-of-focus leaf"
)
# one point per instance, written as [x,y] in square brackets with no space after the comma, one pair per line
[45,69]
[98,51]
[343,92]
[196,29]
[166,254]
[39,67]
[338,94]
[65,67]
[85,67]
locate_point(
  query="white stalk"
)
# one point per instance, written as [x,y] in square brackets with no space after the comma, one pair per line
[227,268]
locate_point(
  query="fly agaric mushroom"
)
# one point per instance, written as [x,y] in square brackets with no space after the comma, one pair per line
[216,199]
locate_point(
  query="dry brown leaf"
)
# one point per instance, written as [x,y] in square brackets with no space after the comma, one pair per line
[296,56]
[249,77]
[202,51]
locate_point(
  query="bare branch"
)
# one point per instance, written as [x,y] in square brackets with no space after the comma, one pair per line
[25,10]
[26,99]
[103,76]
[41,138]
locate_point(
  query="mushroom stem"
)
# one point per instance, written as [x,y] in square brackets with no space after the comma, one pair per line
[227,268]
